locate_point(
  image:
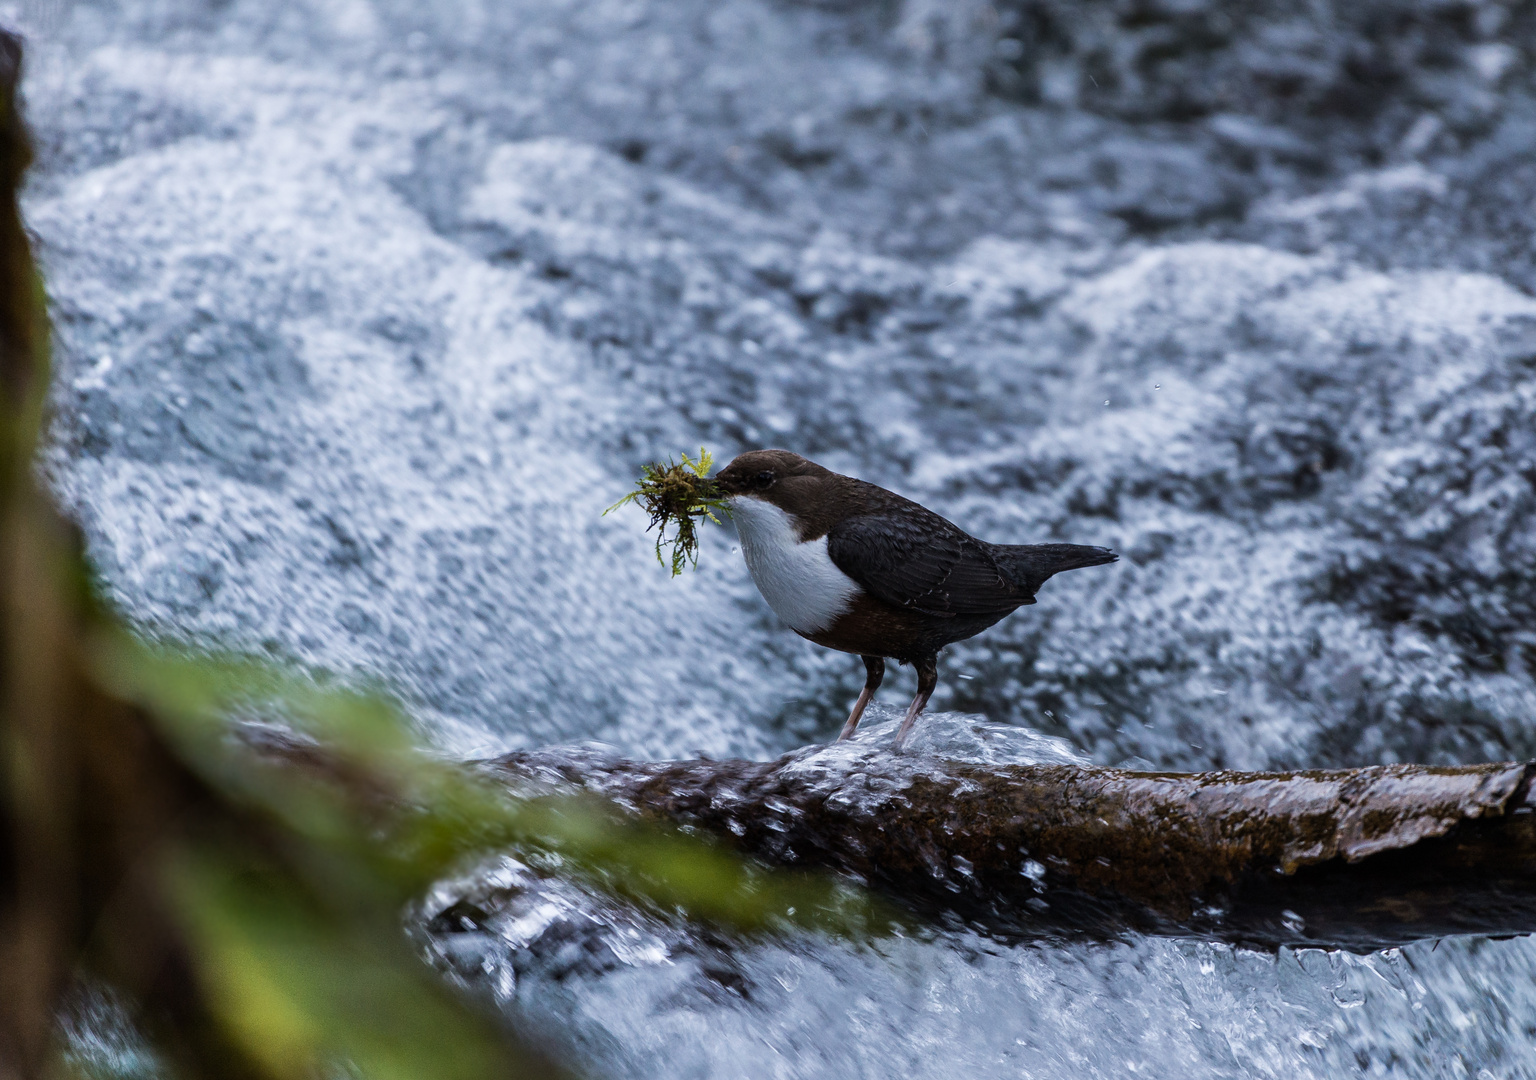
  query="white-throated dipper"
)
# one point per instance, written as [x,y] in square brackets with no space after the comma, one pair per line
[857,568]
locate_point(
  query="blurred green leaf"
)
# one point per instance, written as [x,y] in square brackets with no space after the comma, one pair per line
[301,991]
[442,814]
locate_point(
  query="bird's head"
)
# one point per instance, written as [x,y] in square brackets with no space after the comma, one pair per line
[780,477]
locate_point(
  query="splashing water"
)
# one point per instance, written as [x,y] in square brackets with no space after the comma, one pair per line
[365,311]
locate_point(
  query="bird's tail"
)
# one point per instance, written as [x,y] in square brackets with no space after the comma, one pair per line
[1030,565]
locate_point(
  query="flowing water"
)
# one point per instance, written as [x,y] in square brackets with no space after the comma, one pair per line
[365,310]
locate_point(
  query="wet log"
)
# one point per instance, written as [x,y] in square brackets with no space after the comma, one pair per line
[1359,859]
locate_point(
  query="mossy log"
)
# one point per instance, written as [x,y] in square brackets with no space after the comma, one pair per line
[1359,859]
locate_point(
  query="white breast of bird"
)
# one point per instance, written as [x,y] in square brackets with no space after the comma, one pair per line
[799,580]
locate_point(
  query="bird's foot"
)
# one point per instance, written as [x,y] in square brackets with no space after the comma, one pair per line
[927,678]
[853,717]
[874,667]
[908,722]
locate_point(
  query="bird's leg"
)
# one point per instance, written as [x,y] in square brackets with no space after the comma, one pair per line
[875,666]
[927,678]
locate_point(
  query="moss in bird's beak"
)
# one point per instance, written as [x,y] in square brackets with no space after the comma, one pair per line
[678,493]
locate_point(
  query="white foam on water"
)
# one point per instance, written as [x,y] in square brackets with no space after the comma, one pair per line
[366,311]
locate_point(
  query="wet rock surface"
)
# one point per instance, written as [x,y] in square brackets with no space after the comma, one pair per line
[1362,859]
[365,311]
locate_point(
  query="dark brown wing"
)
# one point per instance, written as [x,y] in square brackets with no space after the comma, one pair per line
[923,562]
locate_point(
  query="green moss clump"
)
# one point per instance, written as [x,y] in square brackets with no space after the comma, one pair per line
[679,493]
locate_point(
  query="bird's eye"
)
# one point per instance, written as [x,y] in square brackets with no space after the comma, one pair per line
[762,480]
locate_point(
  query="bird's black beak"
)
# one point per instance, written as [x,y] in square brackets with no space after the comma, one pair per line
[727,483]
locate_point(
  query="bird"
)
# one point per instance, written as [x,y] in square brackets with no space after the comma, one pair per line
[854,567]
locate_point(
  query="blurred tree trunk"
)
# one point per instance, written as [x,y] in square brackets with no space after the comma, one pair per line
[90,791]
[107,833]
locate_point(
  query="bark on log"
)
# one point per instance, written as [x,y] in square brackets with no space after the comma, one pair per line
[1360,859]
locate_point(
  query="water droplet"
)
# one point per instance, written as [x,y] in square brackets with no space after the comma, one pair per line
[1106,401]
[1348,997]
[1157,386]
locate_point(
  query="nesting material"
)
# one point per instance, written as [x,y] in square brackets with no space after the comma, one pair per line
[679,494]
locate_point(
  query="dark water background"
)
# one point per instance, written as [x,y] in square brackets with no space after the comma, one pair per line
[365,310]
